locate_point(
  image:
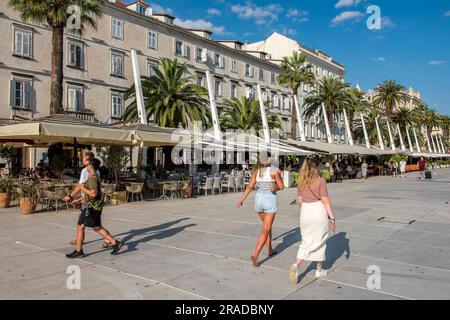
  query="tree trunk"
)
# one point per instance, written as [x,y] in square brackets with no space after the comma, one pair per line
[56,89]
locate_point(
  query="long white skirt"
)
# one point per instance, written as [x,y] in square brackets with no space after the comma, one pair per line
[314,230]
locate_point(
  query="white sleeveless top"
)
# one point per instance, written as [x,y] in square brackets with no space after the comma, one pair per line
[263,183]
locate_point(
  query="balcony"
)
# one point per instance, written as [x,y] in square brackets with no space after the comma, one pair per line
[86,114]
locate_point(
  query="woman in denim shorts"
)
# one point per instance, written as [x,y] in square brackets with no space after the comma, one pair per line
[267,181]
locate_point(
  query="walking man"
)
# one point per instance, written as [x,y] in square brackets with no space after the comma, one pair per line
[92,211]
[422,166]
[403,169]
[84,176]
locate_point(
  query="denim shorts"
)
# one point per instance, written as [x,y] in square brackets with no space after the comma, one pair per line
[266,201]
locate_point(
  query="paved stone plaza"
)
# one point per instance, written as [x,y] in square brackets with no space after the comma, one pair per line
[200,248]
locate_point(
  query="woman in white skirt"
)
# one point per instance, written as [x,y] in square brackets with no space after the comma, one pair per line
[316,219]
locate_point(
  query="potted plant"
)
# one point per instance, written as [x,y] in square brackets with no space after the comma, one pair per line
[28,195]
[326,175]
[5,191]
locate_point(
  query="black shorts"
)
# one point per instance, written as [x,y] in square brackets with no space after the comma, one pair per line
[93,220]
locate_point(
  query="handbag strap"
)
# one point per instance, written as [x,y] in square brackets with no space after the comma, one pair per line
[318,198]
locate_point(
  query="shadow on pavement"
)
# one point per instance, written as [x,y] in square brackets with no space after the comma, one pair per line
[161,231]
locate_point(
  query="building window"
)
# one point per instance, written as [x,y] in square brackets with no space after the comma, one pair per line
[318,71]
[265,96]
[248,70]
[234,89]
[116,105]
[75,98]
[286,103]
[234,66]
[219,60]
[153,40]
[249,92]
[275,100]
[20,93]
[23,43]
[201,79]
[140,9]
[76,55]
[151,66]
[217,87]
[261,74]
[180,48]
[273,77]
[117,29]
[198,54]
[117,63]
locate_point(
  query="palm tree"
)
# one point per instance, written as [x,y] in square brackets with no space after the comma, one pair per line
[295,71]
[369,119]
[430,120]
[172,97]
[445,124]
[56,13]
[245,114]
[389,95]
[403,117]
[330,91]
[356,104]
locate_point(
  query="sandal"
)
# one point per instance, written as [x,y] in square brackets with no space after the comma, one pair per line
[106,244]
[254,261]
[73,242]
[274,252]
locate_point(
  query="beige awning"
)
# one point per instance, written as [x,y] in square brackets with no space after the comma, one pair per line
[333,148]
[62,128]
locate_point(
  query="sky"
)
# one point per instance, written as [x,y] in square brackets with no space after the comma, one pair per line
[412,46]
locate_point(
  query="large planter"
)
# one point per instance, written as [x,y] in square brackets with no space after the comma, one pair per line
[27,205]
[5,200]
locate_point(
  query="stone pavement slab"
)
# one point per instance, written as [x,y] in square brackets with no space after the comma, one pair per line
[199,248]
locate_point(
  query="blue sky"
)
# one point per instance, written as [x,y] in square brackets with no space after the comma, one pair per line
[413,46]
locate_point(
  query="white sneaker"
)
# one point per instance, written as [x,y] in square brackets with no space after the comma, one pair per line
[293,274]
[321,273]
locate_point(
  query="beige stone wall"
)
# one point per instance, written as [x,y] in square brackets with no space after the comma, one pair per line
[96,77]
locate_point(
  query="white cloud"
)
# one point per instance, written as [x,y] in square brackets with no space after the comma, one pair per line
[297,15]
[387,22]
[346,16]
[158,9]
[200,24]
[346,3]
[436,62]
[214,12]
[379,59]
[447,14]
[261,15]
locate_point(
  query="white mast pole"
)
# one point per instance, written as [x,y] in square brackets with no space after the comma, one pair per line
[301,128]
[263,115]
[428,141]
[366,136]
[391,139]
[401,138]
[411,148]
[138,86]
[417,140]
[380,139]
[347,127]
[327,125]
[212,103]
